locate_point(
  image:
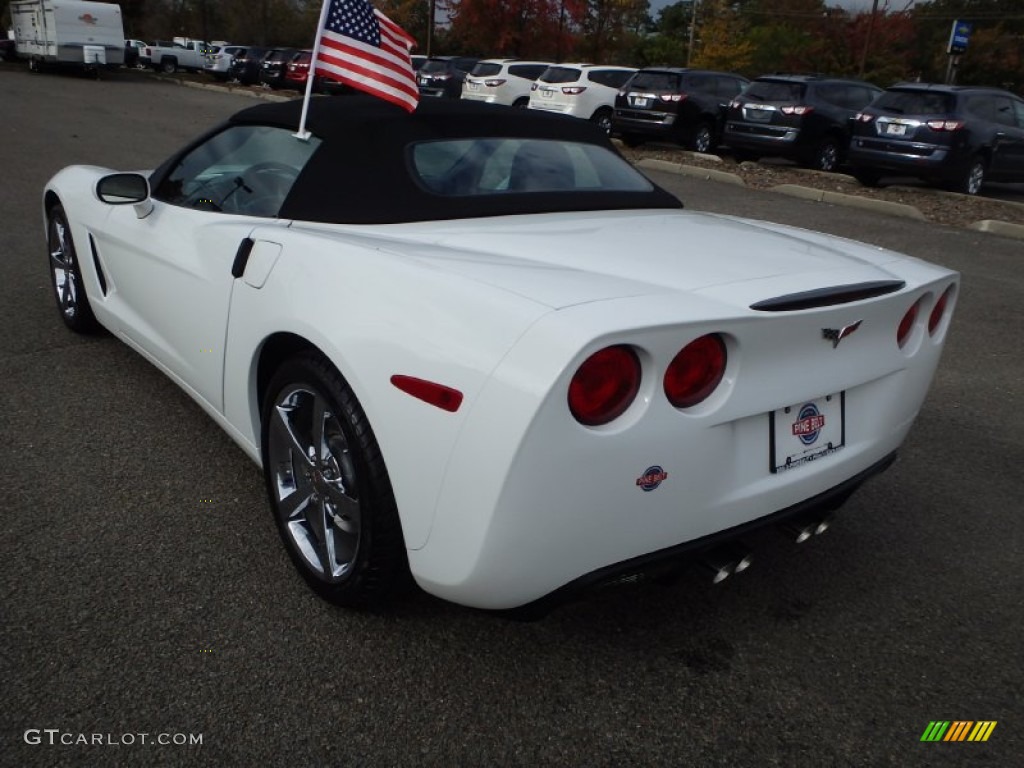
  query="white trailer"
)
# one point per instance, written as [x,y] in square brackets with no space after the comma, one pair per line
[70,32]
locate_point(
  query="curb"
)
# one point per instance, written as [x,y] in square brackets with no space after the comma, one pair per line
[707,174]
[851,201]
[946,193]
[1004,228]
[222,89]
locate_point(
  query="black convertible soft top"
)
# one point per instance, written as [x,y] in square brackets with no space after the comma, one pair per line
[361,172]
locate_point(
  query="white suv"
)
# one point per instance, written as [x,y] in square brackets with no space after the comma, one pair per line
[218,62]
[502,81]
[581,90]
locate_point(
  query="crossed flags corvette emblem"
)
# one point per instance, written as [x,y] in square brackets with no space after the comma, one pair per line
[835,335]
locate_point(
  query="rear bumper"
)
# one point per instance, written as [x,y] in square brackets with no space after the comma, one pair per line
[645,123]
[928,161]
[550,503]
[765,138]
[558,107]
[821,506]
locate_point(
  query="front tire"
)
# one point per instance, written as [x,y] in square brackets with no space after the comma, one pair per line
[328,486]
[66,275]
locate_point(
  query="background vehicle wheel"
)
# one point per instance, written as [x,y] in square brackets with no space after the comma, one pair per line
[65,275]
[867,178]
[970,183]
[521,103]
[827,155]
[328,486]
[703,138]
[168,66]
[603,118]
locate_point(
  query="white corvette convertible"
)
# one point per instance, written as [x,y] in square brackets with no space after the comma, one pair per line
[475,345]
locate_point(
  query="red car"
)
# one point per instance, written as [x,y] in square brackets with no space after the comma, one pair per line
[296,71]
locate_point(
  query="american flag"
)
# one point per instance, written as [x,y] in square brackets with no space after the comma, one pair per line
[362,47]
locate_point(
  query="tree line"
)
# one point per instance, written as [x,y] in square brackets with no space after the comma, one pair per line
[750,37]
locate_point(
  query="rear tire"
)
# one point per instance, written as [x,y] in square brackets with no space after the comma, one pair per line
[66,275]
[703,138]
[603,119]
[827,155]
[973,178]
[521,103]
[168,66]
[328,486]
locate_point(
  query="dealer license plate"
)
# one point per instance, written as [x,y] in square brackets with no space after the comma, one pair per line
[895,129]
[807,431]
[639,101]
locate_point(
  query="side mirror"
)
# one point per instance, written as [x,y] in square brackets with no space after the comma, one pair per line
[123,188]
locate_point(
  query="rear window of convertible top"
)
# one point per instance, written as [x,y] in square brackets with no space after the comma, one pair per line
[488,166]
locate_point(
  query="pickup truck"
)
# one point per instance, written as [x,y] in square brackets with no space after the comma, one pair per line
[190,55]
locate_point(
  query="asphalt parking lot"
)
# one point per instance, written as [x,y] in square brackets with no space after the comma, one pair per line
[145,590]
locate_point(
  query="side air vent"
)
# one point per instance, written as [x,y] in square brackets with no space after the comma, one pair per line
[827,297]
[96,263]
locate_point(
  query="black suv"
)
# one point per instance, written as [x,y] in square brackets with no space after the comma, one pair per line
[442,76]
[245,67]
[958,136]
[681,105]
[273,68]
[803,117]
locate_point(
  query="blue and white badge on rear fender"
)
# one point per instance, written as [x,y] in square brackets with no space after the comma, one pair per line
[811,430]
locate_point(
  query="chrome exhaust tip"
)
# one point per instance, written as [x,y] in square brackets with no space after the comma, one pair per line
[724,561]
[801,529]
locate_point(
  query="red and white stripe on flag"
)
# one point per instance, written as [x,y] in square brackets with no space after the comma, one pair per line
[349,53]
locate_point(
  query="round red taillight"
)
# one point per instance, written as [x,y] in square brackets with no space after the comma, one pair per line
[696,371]
[935,318]
[604,386]
[907,325]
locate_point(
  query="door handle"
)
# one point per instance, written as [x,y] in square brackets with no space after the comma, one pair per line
[242,257]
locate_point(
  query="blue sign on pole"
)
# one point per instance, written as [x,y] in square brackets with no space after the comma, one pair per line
[959,36]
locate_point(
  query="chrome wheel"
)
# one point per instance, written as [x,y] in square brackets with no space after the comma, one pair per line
[827,158]
[313,476]
[975,177]
[604,120]
[702,139]
[66,275]
[62,267]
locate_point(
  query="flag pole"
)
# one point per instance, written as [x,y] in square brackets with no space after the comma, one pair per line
[302,134]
